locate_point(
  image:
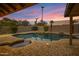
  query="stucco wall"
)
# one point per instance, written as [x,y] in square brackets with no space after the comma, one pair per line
[65,28]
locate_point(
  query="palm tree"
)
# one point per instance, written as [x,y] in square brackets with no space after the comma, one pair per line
[12,24]
[51,22]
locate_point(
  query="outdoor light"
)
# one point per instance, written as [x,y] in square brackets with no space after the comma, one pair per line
[47,44]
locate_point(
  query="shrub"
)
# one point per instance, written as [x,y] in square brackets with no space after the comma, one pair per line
[35,28]
[14,29]
[45,28]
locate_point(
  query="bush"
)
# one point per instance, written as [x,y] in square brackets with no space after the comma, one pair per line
[45,28]
[35,28]
[14,29]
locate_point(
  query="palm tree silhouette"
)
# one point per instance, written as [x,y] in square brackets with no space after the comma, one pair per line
[51,22]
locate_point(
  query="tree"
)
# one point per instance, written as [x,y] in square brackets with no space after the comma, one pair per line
[23,23]
[14,27]
[10,23]
[6,19]
[42,23]
[36,21]
[51,22]
[45,28]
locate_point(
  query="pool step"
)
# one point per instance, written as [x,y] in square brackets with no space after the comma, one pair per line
[4,43]
[21,44]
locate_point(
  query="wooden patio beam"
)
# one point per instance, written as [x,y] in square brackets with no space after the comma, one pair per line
[71,30]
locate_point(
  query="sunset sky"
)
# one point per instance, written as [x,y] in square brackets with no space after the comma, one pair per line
[52,11]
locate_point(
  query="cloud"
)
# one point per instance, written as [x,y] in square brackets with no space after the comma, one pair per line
[54,16]
[33,12]
[51,12]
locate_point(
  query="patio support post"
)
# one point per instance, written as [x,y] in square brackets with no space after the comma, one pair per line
[71,30]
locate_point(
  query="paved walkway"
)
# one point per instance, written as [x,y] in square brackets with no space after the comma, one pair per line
[43,48]
[40,48]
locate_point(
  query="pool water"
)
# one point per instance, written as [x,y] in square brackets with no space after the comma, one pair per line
[39,36]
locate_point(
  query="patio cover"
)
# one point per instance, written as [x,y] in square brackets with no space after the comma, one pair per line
[72,9]
[8,8]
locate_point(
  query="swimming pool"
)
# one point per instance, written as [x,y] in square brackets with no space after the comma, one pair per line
[42,36]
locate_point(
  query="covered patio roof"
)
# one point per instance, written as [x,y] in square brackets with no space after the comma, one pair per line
[72,9]
[8,8]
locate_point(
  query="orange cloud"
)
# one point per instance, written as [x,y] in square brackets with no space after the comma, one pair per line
[33,12]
